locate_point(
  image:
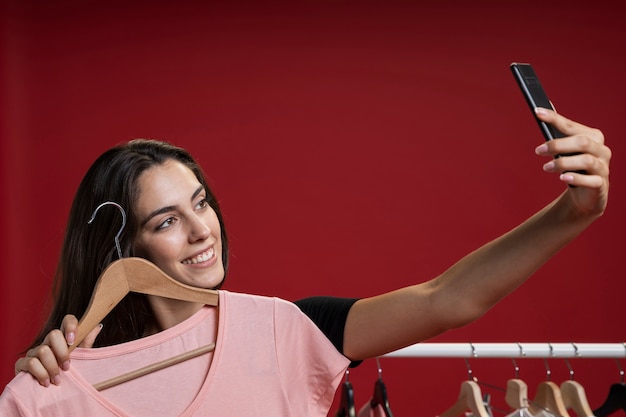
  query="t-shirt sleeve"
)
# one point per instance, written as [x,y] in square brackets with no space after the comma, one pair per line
[311,368]
[329,314]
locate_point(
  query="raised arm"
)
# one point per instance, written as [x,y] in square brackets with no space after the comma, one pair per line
[468,289]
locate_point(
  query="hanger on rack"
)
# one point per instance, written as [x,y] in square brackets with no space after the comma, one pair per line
[575,398]
[573,393]
[380,393]
[616,398]
[548,397]
[470,396]
[347,406]
[516,395]
[138,275]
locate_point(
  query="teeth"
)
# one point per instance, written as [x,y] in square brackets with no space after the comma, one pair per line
[203,257]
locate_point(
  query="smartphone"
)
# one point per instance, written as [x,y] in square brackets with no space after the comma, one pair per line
[535,96]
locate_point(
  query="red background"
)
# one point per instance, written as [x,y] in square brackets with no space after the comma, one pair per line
[356,147]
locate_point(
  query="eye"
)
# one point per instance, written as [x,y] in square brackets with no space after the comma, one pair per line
[167,223]
[204,203]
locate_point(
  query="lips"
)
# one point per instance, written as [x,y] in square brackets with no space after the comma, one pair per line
[202,257]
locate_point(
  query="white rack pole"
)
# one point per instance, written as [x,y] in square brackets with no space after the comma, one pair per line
[512,350]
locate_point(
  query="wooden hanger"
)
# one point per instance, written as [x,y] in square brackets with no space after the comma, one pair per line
[516,395]
[574,398]
[549,398]
[134,275]
[470,398]
[141,276]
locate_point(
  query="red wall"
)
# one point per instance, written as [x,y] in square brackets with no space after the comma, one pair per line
[356,147]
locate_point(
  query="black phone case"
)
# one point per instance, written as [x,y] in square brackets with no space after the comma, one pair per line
[535,96]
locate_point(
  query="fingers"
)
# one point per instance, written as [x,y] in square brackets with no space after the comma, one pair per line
[581,156]
[45,361]
[90,339]
[34,366]
[69,327]
[579,167]
[56,344]
[566,126]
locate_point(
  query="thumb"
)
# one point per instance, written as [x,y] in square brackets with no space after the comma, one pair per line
[90,339]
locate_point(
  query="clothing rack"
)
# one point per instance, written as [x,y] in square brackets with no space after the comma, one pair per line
[512,350]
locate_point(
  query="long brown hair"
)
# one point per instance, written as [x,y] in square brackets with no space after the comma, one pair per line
[89,248]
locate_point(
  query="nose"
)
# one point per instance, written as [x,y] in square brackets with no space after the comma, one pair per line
[198,229]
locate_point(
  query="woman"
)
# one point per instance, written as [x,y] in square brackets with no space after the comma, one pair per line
[175,222]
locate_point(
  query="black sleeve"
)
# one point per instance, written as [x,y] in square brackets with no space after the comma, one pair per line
[329,314]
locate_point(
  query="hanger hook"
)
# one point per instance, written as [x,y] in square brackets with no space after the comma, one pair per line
[619,366]
[521,354]
[545,362]
[570,369]
[516,367]
[470,373]
[379,368]
[119,233]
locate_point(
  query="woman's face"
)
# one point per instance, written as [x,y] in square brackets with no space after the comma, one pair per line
[178,230]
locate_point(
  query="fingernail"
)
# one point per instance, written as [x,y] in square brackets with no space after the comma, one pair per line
[549,166]
[568,178]
[46,383]
[71,337]
[65,365]
[56,380]
[541,110]
[541,149]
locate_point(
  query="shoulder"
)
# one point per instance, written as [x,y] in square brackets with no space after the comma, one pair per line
[325,305]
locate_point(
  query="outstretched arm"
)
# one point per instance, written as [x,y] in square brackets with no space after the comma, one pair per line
[468,289]
[387,322]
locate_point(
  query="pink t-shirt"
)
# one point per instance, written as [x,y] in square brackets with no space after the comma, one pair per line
[270,360]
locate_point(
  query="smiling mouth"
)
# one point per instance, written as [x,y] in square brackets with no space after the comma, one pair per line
[203,257]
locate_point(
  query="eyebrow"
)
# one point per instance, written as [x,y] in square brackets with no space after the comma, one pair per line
[169,208]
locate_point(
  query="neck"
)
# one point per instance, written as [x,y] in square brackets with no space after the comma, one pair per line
[169,312]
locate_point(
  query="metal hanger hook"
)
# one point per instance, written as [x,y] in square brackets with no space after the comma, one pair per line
[545,362]
[470,372]
[570,369]
[619,366]
[521,354]
[516,368]
[379,368]
[119,233]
